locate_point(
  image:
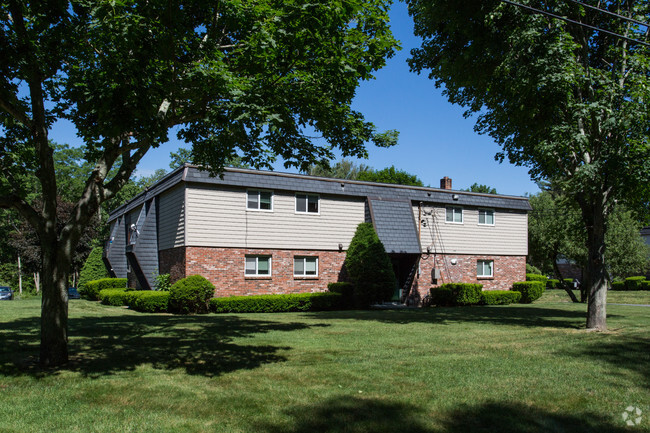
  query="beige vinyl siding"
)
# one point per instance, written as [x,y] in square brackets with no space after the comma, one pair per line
[508,235]
[218,217]
[171,218]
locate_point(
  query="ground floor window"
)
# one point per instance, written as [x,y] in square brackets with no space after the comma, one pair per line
[485,268]
[258,266]
[305,266]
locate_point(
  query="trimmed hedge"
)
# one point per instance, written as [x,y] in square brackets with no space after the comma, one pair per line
[500,297]
[91,289]
[276,303]
[456,294]
[190,295]
[530,290]
[115,297]
[618,285]
[645,285]
[346,290]
[634,283]
[147,301]
[537,277]
[553,284]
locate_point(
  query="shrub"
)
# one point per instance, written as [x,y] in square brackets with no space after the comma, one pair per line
[276,303]
[94,268]
[91,289]
[456,294]
[500,297]
[115,297]
[530,269]
[147,301]
[536,277]
[190,295]
[618,285]
[645,285]
[369,267]
[346,290]
[633,283]
[553,284]
[162,282]
[530,290]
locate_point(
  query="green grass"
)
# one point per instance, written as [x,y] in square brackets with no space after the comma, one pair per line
[613,297]
[530,368]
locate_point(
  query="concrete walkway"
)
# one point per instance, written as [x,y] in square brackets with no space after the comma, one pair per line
[631,305]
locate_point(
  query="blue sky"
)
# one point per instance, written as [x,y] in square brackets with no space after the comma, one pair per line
[435,140]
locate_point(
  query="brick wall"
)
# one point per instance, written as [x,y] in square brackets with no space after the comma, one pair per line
[224,267]
[172,262]
[506,270]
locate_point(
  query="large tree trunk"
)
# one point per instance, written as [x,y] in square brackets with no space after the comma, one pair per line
[595,215]
[54,306]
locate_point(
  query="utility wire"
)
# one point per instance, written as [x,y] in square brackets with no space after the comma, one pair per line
[605,11]
[568,20]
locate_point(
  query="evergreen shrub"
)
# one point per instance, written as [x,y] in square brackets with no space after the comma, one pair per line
[633,283]
[456,294]
[536,277]
[93,269]
[190,295]
[346,290]
[530,290]
[500,297]
[276,303]
[115,297]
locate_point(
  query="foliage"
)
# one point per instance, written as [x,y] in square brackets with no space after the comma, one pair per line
[500,297]
[343,169]
[568,102]
[626,252]
[115,297]
[530,269]
[618,285]
[530,290]
[553,283]
[184,156]
[252,77]
[90,290]
[484,189]
[162,282]
[346,290]
[369,267]
[536,277]
[452,294]
[93,269]
[634,283]
[190,295]
[390,175]
[276,303]
[147,301]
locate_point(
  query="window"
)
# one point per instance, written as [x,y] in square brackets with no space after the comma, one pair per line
[486,217]
[307,203]
[454,215]
[305,266]
[258,266]
[259,200]
[484,268]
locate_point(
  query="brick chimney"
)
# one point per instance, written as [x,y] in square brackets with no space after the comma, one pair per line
[445,183]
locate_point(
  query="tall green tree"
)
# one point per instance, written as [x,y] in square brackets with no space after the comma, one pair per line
[390,175]
[343,169]
[476,187]
[254,78]
[567,101]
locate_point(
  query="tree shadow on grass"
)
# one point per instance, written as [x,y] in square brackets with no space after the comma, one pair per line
[504,315]
[200,345]
[365,415]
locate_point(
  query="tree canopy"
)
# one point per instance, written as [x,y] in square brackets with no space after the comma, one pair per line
[566,101]
[346,169]
[475,187]
[253,78]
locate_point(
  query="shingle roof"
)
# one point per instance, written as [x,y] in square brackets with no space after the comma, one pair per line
[395,225]
[321,185]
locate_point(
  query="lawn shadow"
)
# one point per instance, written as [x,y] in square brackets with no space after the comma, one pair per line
[352,414]
[517,315]
[201,345]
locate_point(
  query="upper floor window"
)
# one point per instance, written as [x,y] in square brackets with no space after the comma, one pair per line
[307,203]
[486,217]
[305,266]
[259,199]
[454,215]
[258,266]
[485,268]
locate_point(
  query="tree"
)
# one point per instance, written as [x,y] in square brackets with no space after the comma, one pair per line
[343,169]
[481,188]
[250,77]
[94,268]
[184,156]
[566,101]
[390,175]
[369,267]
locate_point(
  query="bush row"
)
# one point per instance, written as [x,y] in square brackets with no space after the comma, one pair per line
[91,289]
[632,283]
[530,290]
[346,290]
[500,297]
[276,303]
[555,284]
[537,277]
[452,294]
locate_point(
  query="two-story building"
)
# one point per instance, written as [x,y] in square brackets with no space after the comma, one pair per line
[257,232]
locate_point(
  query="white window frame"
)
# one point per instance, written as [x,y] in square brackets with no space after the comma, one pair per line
[454,209]
[304,267]
[306,197]
[257,267]
[252,191]
[486,211]
[483,262]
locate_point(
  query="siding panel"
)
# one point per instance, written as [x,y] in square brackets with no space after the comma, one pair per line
[218,218]
[171,221]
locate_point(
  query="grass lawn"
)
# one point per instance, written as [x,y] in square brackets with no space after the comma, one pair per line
[517,368]
[613,297]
